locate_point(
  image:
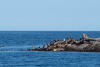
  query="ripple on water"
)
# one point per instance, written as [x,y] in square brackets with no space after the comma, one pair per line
[48,59]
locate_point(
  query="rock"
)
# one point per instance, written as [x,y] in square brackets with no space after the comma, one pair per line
[84,44]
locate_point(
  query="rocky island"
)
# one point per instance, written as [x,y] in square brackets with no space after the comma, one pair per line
[84,44]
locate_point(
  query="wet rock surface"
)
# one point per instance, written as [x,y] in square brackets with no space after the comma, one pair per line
[85,44]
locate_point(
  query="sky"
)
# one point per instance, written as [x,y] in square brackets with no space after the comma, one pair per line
[49,15]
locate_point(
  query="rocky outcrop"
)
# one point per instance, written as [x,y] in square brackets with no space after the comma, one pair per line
[84,44]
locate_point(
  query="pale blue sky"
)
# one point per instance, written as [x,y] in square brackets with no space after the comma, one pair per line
[59,15]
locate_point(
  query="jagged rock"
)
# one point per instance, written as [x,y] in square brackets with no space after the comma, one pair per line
[84,44]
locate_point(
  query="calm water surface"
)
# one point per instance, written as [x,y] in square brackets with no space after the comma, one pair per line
[14,44]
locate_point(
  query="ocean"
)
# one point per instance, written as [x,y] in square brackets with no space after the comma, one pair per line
[14,44]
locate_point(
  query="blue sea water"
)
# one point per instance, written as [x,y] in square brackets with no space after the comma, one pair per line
[15,43]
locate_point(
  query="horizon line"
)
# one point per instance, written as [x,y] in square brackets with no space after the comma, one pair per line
[49,30]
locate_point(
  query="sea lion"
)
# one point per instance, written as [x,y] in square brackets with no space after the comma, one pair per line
[90,39]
